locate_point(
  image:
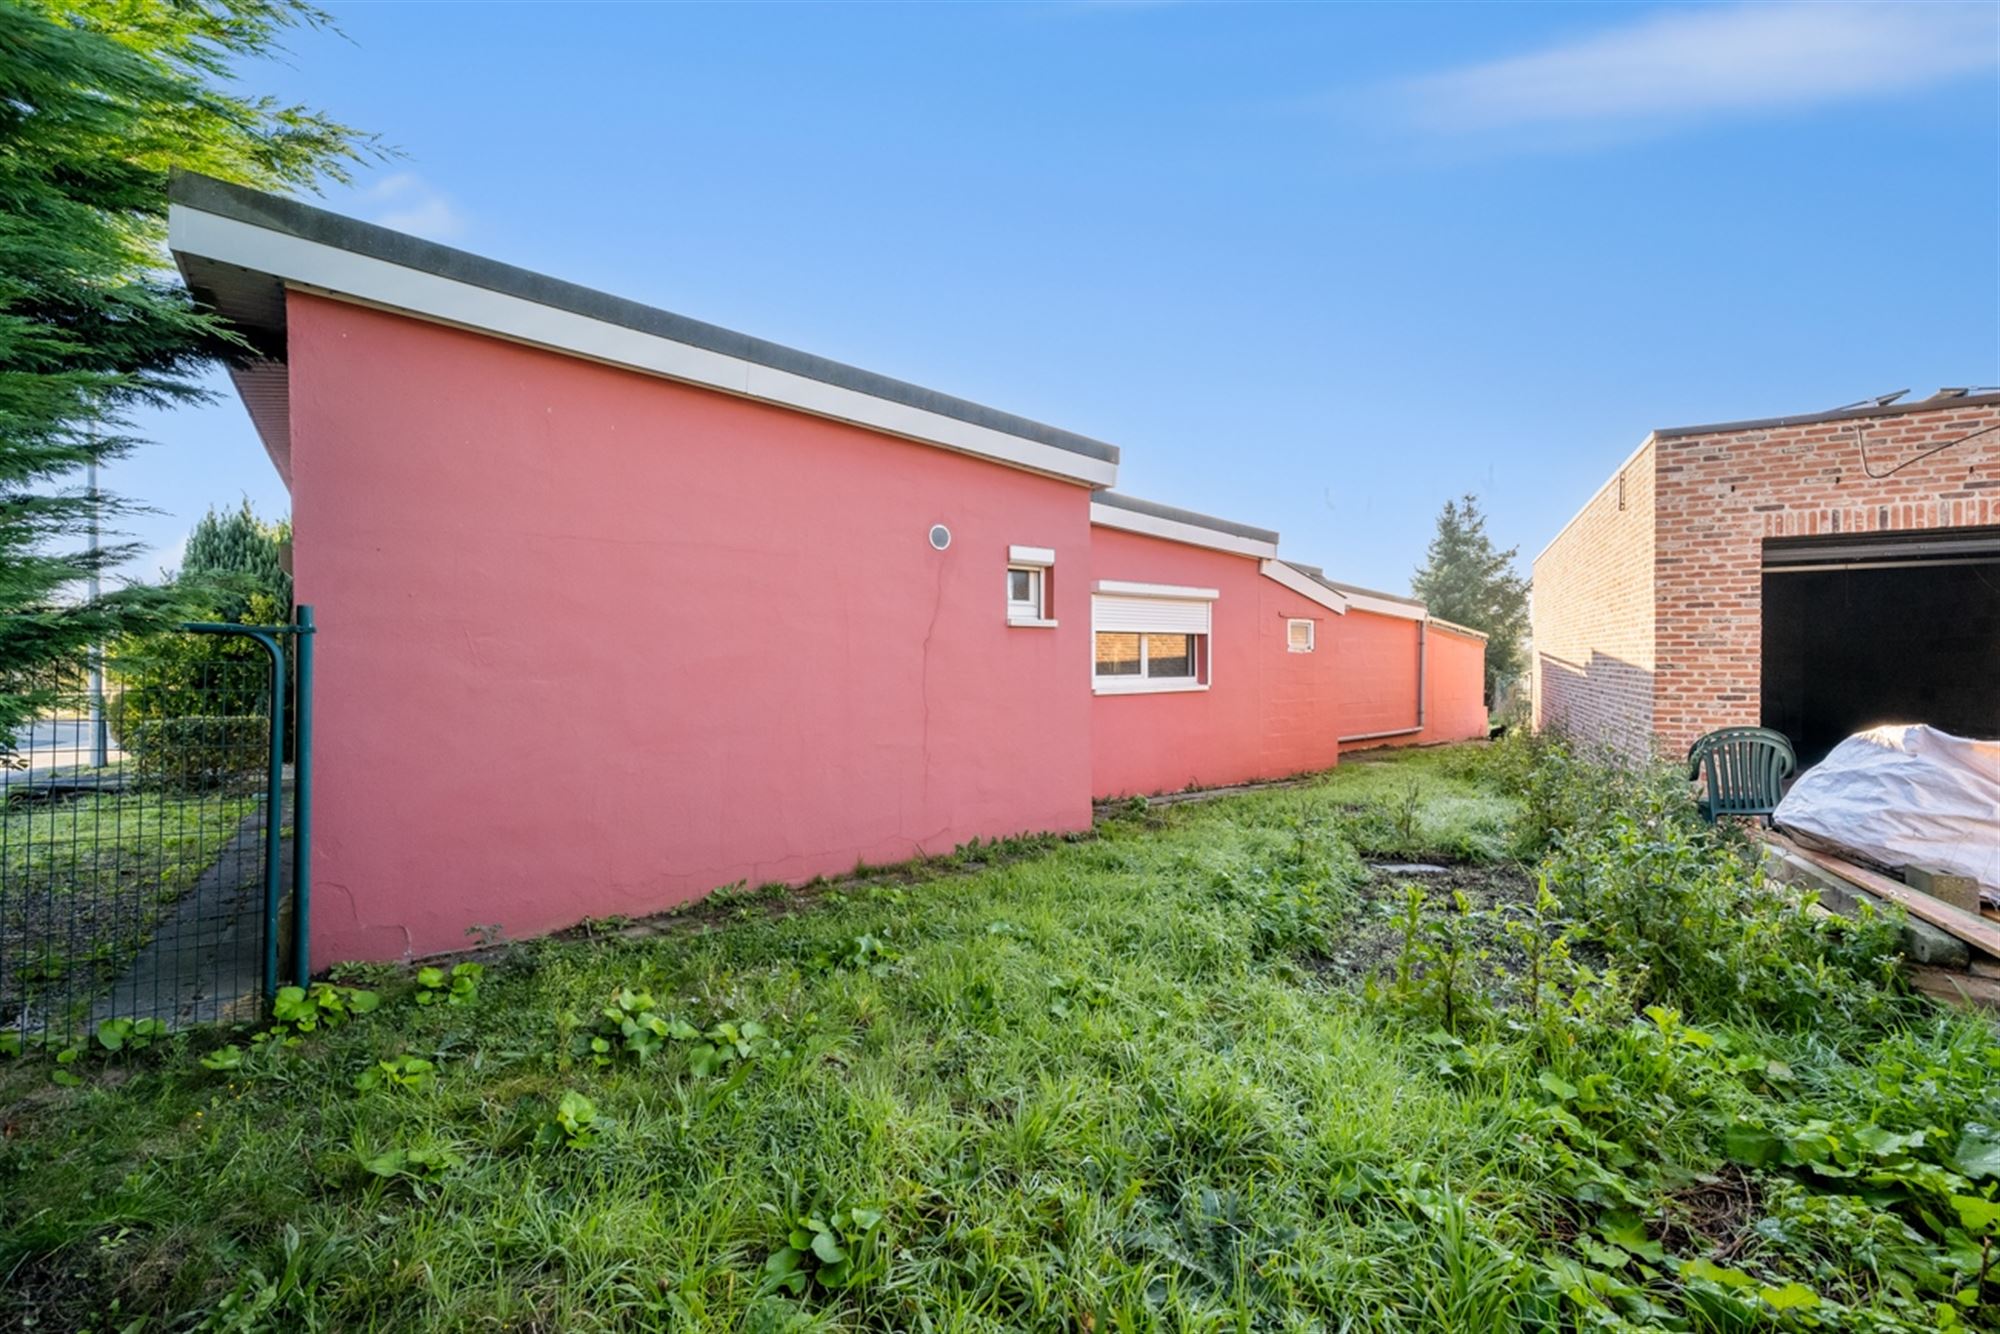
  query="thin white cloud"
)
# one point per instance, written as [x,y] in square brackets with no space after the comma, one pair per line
[409,203]
[1688,64]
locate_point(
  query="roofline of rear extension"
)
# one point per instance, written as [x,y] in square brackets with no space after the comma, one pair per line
[1149,518]
[297,245]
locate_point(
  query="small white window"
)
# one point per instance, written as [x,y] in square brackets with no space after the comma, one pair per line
[1028,577]
[1299,636]
[1024,594]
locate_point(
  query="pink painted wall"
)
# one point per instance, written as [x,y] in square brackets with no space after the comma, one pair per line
[1457,707]
[594,643]
[1377,684]
[1267,714]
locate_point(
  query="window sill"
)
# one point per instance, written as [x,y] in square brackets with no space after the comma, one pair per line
[1032,622]
[1142,686]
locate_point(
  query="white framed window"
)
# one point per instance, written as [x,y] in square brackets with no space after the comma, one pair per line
[1024,594]
[1149,639]
[1298,636]
[1029,574]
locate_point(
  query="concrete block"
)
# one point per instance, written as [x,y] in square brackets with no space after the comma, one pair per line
[1922,943]
[1960,891]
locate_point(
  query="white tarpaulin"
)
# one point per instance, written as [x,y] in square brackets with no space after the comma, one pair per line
[1906,796]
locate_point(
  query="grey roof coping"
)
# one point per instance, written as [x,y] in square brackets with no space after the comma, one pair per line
[293,218]
[1317,575]
[1866,410]
[1118,500]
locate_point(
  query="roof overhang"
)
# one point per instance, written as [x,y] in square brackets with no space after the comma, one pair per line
[1387,606]
[1452,627]
[1353,597]
[241,250]
[1108,509]
[1313,590]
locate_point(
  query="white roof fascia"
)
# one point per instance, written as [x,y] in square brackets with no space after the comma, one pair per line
[1174,530]
[329,270]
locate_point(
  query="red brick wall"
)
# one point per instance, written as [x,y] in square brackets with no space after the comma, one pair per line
[1720,495]
[1592,617]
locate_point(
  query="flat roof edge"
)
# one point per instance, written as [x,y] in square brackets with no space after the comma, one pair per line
[1834,415]
[1454,628]
[1174,514]
[306,222]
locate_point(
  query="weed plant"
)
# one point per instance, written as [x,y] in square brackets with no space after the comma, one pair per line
[1600,1076]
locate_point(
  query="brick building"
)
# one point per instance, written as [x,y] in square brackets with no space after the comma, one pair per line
[1818,574]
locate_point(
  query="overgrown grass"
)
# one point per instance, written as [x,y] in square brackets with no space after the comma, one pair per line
[1143,1080]
[83,882]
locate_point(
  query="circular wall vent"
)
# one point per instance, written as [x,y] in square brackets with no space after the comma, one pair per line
[940,536]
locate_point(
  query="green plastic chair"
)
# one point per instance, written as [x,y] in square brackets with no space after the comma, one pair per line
[1745,769]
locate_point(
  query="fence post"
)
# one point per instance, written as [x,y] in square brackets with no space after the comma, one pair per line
[274,815]
[302,801]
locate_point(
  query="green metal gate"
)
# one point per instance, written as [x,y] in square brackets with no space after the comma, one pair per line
[155,834]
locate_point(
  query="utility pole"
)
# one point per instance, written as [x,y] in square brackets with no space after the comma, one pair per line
[100,732]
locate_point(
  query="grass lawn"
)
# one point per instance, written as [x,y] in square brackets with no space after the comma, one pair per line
[83,881]
[1202,1070]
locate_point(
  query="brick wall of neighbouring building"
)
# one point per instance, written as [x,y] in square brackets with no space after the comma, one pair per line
[1592,616]
[1648,620]
[1722,493]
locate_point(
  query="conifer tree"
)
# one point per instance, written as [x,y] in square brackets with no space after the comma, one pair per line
[1465,579]
[99,100]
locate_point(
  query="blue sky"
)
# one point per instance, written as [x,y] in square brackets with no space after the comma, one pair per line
[1313,267]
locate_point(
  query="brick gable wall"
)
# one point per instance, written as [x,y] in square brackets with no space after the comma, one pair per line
[1592,617]
[1719,495]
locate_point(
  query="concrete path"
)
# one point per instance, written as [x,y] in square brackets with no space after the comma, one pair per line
[205,961]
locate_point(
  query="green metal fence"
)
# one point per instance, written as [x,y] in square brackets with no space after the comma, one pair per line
[155,833]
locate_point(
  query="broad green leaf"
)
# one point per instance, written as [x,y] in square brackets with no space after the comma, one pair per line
[1791,1297]
[1628,1232]
[1885,1143]
[1750,1144]
[1703,1268]
[1608,1257]
[1976,1215]
[1978,1152]
[1556,1085]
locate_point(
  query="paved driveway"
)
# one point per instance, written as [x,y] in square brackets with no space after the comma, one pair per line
[51,745]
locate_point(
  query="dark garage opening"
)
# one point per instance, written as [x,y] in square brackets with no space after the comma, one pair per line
[1881,628]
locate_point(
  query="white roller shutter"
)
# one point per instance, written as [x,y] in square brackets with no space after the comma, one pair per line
[1167,616]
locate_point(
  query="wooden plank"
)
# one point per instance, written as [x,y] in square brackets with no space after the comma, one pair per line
[1921,942]
[1967,989]
[1974,931]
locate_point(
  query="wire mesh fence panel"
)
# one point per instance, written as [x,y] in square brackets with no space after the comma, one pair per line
[134,843]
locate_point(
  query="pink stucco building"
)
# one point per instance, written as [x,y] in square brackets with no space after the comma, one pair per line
[617,607]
